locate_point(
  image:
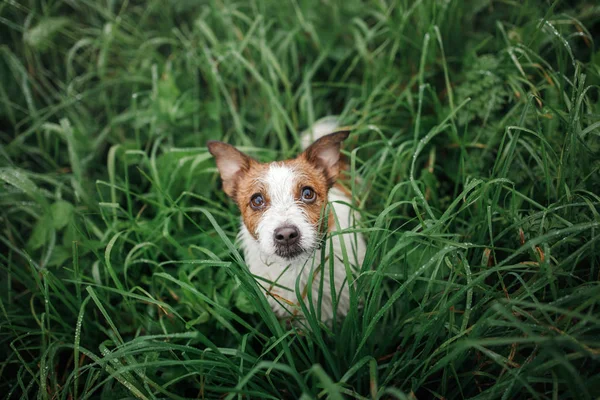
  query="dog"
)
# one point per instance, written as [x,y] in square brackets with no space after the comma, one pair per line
[287,224]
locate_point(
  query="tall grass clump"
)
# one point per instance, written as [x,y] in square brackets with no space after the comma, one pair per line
[476,131]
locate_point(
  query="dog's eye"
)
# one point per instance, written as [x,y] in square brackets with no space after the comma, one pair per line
[257,201]
[308,195]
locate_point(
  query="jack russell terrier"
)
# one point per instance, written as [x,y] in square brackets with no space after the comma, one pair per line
[286,223]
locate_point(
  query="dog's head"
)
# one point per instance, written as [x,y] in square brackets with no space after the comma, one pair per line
[282,202]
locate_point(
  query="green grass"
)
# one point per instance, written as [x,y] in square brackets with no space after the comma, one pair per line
[476,130]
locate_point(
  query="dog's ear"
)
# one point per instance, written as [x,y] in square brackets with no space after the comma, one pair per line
[231,164]
[325,154]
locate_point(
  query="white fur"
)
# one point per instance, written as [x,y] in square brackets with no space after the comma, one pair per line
[321,128]
[278,276]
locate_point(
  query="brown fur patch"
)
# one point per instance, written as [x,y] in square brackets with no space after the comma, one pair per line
[319,182]
[247,185]
[324,154]
[231,163]
[344,179]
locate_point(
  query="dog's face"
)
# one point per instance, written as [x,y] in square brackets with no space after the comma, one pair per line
[282,203]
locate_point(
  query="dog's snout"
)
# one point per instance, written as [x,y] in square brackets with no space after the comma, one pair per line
[287,235]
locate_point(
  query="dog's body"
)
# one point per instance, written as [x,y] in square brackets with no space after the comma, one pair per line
[283,223]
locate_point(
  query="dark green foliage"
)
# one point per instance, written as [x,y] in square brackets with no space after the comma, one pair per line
[476,132]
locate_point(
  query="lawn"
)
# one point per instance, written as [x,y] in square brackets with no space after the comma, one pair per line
[475,128]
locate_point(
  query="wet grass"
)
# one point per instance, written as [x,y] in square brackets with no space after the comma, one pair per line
[476,130]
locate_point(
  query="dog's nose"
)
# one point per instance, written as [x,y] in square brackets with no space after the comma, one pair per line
[286,235]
